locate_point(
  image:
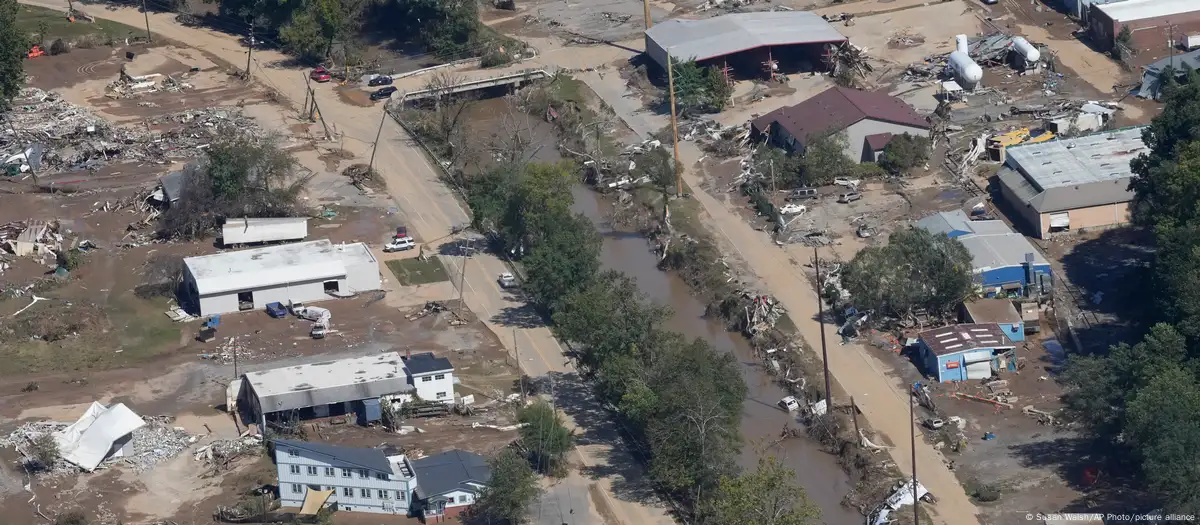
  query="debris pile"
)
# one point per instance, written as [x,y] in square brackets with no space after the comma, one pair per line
[221,451]
[25,238]
[22,440]
[157,441]
[135,85]
[762,313]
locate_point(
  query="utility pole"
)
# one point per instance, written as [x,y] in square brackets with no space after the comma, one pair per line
[912,431]
[250,49]
[773,193]
[675,128]
[146,12]
[854,414]
[821,325]
[462,279]
[520,373]
[649,21]
[374,145]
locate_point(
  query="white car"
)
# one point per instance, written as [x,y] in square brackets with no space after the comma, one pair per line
[793,209]
[399,244]
[507,280]
[848,183]
[790,404]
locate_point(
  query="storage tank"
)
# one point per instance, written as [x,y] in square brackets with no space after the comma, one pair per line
[1026,50]
[966,69]
[961,43]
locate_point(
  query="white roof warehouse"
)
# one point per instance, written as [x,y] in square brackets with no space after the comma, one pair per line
[302,272]
[317,385]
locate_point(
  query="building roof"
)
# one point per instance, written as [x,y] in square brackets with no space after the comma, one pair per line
[1000,250]
[1067,174]
[736,32]
[957,221]
[836,109]
[963,337]
[1130,10]
[426,363]
[268,266]
[326,382]
[172,185]
[878,141]
[992,311]
[368,458]
[449,471]
[1152,84]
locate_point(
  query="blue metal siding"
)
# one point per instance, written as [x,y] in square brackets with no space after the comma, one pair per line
[944,373]
[1015,332]
[1010,275]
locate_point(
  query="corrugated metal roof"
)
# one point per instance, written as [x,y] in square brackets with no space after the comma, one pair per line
[946,222]
[962,337]
[1130,10]
[259,268]
[999,250]
[992,311]
[727,34]
[1151,83]
[314,384]
[1074,173]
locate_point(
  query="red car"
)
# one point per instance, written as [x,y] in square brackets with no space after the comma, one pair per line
[320,75]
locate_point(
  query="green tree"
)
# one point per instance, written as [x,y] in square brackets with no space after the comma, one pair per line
[13,46]
[1164,428]
[824,159]
[916,269]
[904,152]
[767,496]
[1123,44]
[566,258]
[699,89]
[302,36]
[509,493]
[606,318]
[1167,173]
[660,166]
[1176,277]
[546,437]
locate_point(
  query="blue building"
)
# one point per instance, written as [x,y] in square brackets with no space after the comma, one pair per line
[998,311]
[966,352]
[1003,260]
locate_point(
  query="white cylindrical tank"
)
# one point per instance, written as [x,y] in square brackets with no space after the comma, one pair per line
[966,69]
[1026,50]
[961,43]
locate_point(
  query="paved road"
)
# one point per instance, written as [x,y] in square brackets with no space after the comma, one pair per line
[433,210]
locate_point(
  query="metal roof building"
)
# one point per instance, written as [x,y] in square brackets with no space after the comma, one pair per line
[1075,183]
[734,33]
[1151,77]
[1151,22]
[1133,10]
[302,272]
[326,383]
[1000,257]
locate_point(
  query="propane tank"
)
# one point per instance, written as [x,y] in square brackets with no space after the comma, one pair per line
[1026,50]
[961,44]
[966,69]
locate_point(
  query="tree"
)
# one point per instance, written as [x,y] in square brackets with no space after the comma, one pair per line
[1123,44]
[1164,427]
[13,46]
[508,494]
[660,166]
[699,89]
[566,258]
[825,159]
[606,318]
[916,269]
[904,152]
[767,496]
[44,452]
[302,36]
[1167,174]
[71,517]
[545,436]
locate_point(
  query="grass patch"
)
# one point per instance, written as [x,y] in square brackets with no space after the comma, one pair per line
[415,271]
[31,18]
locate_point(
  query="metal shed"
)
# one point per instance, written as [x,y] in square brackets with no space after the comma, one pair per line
[733,33]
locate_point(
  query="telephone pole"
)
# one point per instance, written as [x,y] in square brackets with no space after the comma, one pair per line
[374,145]
[249,49]
[146,12]
[649,21]
[821,325]
[675,128]
[912,431]
[462,280]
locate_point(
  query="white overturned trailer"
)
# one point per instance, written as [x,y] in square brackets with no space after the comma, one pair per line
[250,231]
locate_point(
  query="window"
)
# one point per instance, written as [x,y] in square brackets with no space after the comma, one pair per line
[334,489]
[426,379]
[365,493]
[345,473]
[312,471]
[293,453]
[294,469]
[383,494]
[362,473]
[381,476]
[400,495]
[296,488]
[348,492]
[441,395]
[440,377]
[462,499]
[329,472]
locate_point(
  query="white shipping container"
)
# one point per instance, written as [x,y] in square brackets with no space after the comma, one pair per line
[247,231]
[1191,41]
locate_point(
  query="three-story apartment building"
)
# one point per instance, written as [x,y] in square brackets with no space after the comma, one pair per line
[363,479]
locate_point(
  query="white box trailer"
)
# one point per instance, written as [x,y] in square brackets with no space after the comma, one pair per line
[249,231]
[1191,42]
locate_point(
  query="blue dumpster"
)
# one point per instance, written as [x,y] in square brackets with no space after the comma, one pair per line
[276,310]
[370,411]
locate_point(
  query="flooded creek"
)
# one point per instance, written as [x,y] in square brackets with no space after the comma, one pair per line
[629,253]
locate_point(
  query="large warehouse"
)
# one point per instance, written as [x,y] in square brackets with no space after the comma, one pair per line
[1151,22]
[328,388]
[744,41]
[299,273]
[1072,184]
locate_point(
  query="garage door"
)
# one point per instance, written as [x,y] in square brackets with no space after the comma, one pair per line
[979,364]
[1060,220]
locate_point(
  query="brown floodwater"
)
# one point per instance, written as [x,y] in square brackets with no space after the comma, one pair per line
[630,253]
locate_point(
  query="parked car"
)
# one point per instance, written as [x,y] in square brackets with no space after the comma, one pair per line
[793,209]
[381,80]
[383,93]
[802,193]
[847,198]
[507,280]
[399,244]
[401,232]
[320,74]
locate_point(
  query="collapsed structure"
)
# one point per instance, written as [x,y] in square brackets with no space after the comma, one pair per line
[99,434]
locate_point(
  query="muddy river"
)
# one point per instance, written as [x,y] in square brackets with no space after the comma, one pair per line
[762,420]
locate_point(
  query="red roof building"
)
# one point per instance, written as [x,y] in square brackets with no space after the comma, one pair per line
[868,119]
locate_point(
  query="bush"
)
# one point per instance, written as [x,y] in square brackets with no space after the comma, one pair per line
[44,453]
[903,153]
[59,47]
[495,58]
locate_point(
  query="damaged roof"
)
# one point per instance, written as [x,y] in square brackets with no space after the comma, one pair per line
[326,382]
[838,108]
[963,337]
